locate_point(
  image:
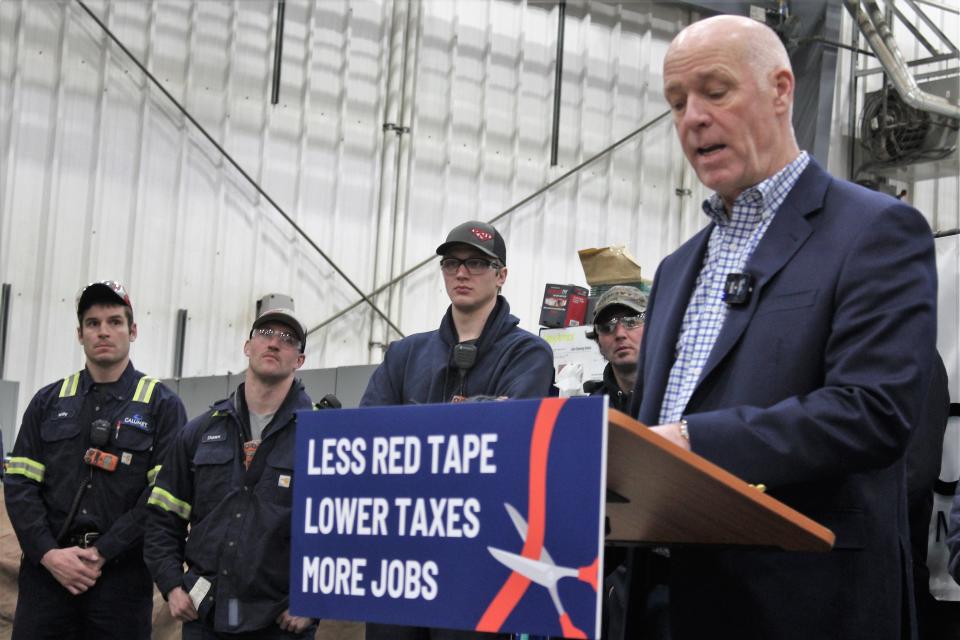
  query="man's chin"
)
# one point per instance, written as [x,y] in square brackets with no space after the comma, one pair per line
[270,375]
[625,361]
[465,304]
[105,360]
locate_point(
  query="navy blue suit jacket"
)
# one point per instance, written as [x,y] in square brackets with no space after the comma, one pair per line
[810,389]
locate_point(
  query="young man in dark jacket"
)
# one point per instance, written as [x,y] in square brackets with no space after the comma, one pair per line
[478,351]
[229,476]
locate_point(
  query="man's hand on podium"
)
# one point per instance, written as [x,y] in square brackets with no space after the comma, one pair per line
[671,431]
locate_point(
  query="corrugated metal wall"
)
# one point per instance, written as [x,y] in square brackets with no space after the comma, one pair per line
[102,177]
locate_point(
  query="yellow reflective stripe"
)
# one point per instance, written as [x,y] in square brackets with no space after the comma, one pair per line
[218,413]
[69,386]
[165,500]
[136,394]
[152,475]
[149,392]
[26,467]
[144,389]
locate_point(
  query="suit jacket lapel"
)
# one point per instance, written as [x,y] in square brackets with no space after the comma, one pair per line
[785,235]
[674,295]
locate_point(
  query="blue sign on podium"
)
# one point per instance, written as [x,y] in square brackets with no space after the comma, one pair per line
[484,516]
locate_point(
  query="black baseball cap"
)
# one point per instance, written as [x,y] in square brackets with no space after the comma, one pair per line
[478,235]
[285,317]
[102,292]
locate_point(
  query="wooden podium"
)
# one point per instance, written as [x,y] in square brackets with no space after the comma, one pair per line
[674,496]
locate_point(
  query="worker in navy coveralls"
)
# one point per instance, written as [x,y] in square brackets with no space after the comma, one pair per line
[229,478]
[79,522]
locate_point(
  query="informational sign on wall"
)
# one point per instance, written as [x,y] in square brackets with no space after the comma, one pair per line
[484,516]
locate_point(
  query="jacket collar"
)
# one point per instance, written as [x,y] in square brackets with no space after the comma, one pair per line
[236,405]
[787,233]
[498,322]
[121,389]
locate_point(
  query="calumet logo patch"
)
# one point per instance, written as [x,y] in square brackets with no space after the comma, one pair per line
[136,422]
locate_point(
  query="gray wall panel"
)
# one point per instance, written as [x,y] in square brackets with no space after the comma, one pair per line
[9,417]
[100,176]
[319,382]
[352,382]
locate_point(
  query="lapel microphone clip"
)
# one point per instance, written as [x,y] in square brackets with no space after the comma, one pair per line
[737,289]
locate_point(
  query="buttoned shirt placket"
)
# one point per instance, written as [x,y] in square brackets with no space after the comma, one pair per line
[732,242]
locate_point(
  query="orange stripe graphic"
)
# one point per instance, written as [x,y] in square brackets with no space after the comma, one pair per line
[516,585]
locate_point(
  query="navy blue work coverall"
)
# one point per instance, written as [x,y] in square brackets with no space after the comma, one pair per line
[44,473]
[239,518]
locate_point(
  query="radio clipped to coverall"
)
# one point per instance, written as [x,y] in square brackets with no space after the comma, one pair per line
[95,456]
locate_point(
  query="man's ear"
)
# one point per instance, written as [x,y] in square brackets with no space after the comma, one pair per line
[80,335]
[501,276]
[246,348]
[783,85]
[133,332]
[300,360]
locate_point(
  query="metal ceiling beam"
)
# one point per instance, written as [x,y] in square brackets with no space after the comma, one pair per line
[303,234]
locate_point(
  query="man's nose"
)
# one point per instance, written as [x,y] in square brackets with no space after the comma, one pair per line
[696,112]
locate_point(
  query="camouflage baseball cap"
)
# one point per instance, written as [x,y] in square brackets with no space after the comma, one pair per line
[621,296]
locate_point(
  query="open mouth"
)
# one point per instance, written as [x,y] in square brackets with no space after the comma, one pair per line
[713,148]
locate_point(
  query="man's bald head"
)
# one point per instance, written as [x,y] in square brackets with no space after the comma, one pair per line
[754,43]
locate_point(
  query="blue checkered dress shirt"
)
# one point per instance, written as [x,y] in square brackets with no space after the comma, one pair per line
[729,248]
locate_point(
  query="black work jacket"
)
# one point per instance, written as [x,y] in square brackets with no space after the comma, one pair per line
[239,518]
[46,466]
[609,387]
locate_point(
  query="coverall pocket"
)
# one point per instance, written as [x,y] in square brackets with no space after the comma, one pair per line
[277,482]
[56,430]
[213,470]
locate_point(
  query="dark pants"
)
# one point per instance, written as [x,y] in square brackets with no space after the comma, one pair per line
[394,632]
[119,605]
[198,630]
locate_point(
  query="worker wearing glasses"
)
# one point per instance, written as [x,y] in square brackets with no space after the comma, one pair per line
[478,350]
[228,481]
[618,327]
[618,320]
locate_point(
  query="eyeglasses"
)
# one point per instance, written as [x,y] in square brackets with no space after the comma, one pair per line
[628,322]
[475,266]
[288,339]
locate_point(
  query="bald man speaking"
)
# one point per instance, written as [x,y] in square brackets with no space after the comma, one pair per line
[790,342]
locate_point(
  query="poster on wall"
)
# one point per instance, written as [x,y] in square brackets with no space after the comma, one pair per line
[482,516]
